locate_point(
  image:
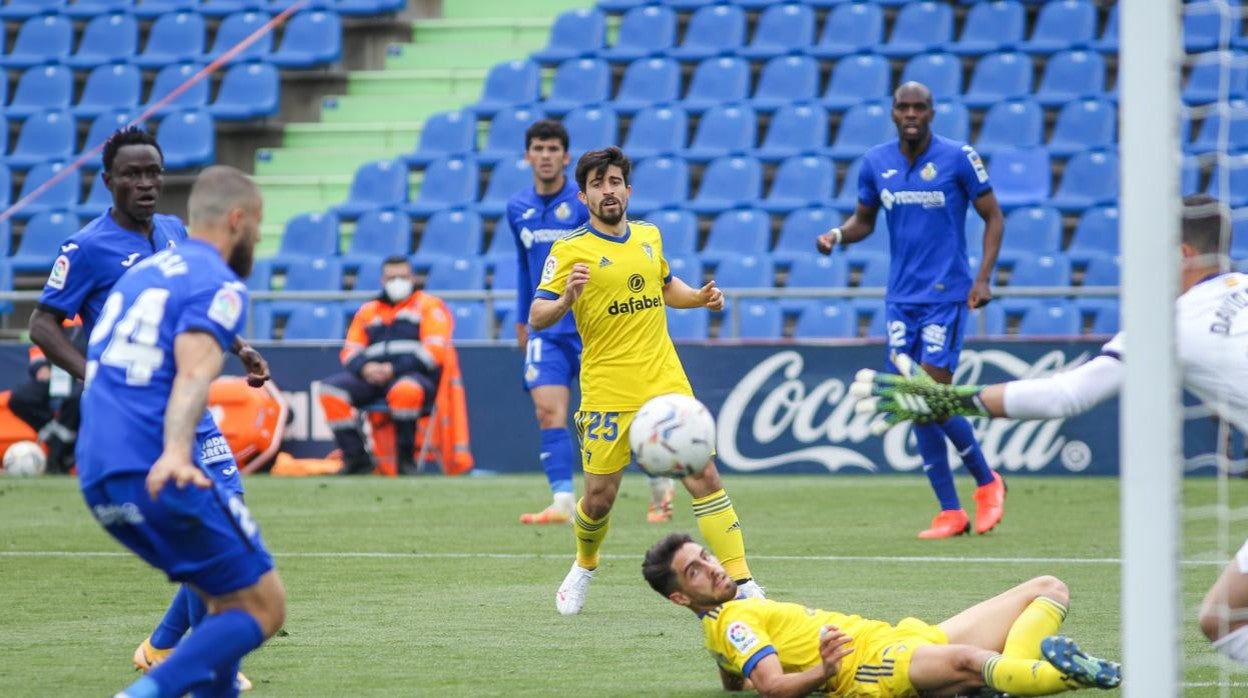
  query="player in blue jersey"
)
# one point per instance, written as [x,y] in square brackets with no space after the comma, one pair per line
[158,342]
[539,215]
[89,264]
[925,183]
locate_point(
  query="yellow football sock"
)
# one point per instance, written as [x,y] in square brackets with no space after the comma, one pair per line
[1042,618]
[589,536]
[1024,677]
[717,521]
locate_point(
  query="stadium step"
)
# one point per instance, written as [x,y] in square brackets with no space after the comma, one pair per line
[496,31]
[398,136]
[462,82]
[458,55]
[334,160]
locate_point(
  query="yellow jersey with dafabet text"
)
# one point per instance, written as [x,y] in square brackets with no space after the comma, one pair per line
[628,356]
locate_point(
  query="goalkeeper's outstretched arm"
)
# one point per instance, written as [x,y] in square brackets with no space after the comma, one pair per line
[1061,395]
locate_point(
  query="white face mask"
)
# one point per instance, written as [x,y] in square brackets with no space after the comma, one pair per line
[398,289]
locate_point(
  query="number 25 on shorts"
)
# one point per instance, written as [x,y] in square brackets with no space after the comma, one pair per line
[602,426]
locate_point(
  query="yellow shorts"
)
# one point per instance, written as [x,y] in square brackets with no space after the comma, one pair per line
[883,669]
[604,441]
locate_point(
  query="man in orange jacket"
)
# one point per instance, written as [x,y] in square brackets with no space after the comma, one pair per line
[51,409]
[395,349]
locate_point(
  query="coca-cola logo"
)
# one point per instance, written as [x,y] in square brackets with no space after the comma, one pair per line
[776,404]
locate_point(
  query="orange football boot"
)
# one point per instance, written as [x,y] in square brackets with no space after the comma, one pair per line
[947,524]
[989,504]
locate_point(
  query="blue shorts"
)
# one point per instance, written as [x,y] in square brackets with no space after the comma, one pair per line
[216,456]
[203,537]
[552,360]
[929,333]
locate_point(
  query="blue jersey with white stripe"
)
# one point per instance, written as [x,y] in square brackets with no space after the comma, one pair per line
[925,206]
[130,359]
[537,221]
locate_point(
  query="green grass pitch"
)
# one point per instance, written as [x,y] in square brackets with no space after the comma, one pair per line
[430,587]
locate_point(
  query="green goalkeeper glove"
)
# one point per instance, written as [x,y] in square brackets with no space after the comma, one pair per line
[912,395]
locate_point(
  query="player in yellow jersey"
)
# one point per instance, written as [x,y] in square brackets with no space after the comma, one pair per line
[1006,643]
[613,277]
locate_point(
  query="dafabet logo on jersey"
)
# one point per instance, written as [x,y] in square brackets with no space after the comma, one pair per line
[634,304]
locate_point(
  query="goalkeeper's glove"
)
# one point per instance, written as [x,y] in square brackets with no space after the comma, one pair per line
[912,395]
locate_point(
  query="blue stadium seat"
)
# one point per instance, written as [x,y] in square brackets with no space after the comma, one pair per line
[106,38]
[1021,177]
[680,231]
[1236,175]
[1205,84]
[1097,231]
[726,183]
[174,38]
[856,79]
[1050,318]
[1083,124]
[41,241]
[502,243]
[1189,176]
[1099,268]
[798,232]
[102,127]
[378,184]
[795,129]
[850,28]
[818,271]
[1208,137]
[953,120]
[248,91]
[170,78]
[1101,314]
[621,5]
[505,138]
[109,88]
[237,27]
[188,139]
[378,234]
[878,242]
[1029,230]
[591,127]
[990,27]
[314,321]
[920,26]
[98,200]
[1205,22]
[442,134]
[869,312]
[25,9]
[784,80]
[224,8]
[508,176]
[742,231]
[574,33]
[741,271]
[1090,179]
[657,130]
[309,235]
[508,84]
[1108,43]
[471,321]
[647,82]
[6,195]
[862,128]
[645,31]
[826,318]
[310,39]
[449,182]
[504,275]
[714,30]
[799,182]
[450,234]
[41,39]
[685,5]
[1071,75]
[781,29]
[312,274]
[847,193]
[728,129]
[659,182]
[461,274]
[365,8]
[46,135]
[940,72]
[1014,123]
[578,81]
[1029,269]
[999,76]
[1061,25]
[692,325]
[717,81]
[758,318]
[686,267]
[40,88]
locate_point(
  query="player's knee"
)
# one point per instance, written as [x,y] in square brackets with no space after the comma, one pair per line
[272,611]
[1051,587]
[406,396]
[550,416]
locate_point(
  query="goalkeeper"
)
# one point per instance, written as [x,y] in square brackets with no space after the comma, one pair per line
[1213,355]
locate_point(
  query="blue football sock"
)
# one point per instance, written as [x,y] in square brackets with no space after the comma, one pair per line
[935,454]
[145,687]
[176,621]
[962,434]
[218,643]
[557,459]
[225,685]
[195,608]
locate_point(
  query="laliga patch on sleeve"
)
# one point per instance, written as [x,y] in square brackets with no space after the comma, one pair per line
[548,269]
[226,308]
[742,637]
[60,272]
[977,163]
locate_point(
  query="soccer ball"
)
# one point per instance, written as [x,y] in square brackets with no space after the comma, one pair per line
[672,436]
[24,459]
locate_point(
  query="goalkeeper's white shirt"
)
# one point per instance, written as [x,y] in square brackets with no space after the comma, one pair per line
[1212,325]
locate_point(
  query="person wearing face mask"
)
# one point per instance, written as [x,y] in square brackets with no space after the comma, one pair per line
[395,350]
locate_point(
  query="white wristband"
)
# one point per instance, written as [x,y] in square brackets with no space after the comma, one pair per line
[836,236]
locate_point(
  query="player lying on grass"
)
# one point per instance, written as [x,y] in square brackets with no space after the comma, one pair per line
[1007,643]
[1213,354]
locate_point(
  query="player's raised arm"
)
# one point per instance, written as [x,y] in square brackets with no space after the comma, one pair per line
[858,226]
[678,294]
[46,333]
